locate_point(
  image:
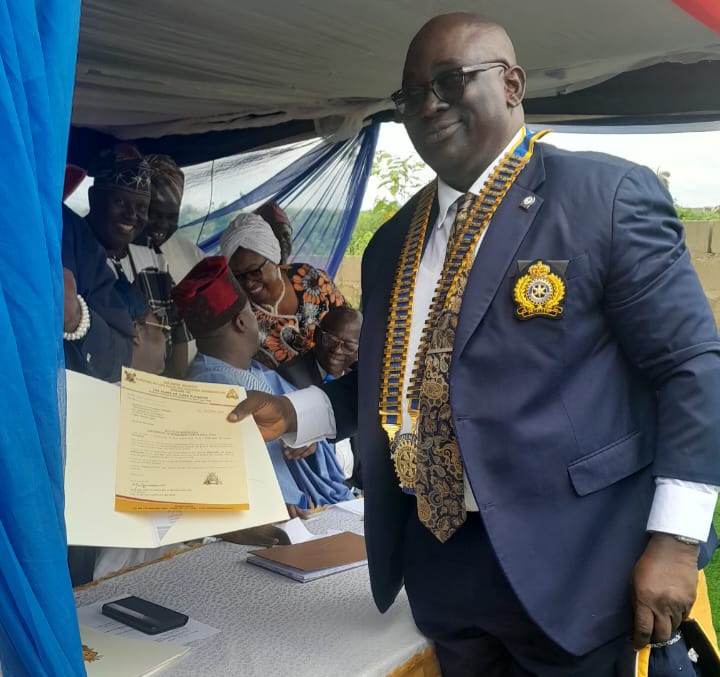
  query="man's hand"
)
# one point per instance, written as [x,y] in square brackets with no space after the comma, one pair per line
[294,512]
[664,587]
[294,454]
[274,414]
[72,309]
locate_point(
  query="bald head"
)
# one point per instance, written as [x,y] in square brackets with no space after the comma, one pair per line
[341,316]
[468,27]
[460,135]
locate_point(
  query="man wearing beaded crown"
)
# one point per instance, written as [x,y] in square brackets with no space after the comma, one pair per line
[542,478]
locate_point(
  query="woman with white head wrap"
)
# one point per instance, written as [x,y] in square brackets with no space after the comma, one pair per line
[289,301]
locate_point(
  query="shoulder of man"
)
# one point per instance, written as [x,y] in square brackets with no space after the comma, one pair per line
[395,227]
[299,371]
[580,160]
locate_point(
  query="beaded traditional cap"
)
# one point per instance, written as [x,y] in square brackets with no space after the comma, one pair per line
[121,167]
[209,296]
[167,179]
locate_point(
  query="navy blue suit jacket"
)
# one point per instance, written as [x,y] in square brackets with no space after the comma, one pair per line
[563,424]
[108,344]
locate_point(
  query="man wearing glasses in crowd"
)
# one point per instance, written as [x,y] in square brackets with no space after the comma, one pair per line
[538,385]
[336,351]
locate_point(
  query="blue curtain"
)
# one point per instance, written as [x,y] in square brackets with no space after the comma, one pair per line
[38,625]
[320,186]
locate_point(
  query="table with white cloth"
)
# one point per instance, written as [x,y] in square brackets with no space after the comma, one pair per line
[271,625]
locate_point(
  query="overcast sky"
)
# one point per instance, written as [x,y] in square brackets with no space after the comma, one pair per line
[692,158]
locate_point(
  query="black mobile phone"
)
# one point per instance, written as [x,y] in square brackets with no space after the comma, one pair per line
[142,615]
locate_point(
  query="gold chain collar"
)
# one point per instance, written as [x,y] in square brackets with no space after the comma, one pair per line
[460,259]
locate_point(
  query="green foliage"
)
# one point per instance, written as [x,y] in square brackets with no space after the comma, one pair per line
[399,178]
[368,222]
[698,214]
[688,213]
[712,573]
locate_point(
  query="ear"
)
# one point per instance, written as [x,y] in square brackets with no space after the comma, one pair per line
[239,323]
[514,86]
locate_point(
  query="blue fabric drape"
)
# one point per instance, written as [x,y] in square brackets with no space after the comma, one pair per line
[38,625]
[321,191]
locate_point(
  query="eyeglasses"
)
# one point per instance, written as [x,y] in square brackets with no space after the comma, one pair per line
[166,328]
[331,342]
[448,87]
[253,274]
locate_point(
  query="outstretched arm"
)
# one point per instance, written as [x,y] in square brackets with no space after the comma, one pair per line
[274,414]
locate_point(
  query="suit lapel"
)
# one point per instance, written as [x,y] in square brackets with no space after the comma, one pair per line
[505,233]
[314,370]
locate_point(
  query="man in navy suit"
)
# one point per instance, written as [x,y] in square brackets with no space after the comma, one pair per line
[582,386]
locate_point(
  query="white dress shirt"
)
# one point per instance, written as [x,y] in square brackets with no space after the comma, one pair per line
[679,507]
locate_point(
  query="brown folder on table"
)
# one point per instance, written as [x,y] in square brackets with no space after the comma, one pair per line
[313,559]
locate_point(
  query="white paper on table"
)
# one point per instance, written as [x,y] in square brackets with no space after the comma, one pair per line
[297,532]
[91,616]
[107,656]
[356,506]
[93,408]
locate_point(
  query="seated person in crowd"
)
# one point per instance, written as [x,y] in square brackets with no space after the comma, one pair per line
[288,301]
[98,333]
[336,350]
[148,354]
[274,214]
[221,318]
[149,331]
[167,182]
[119,201]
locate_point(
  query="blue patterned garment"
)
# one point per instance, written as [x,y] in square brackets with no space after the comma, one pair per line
[313,481]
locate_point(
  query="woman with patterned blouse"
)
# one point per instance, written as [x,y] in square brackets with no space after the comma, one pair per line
[289,301]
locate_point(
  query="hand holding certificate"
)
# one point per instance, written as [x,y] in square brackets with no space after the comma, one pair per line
[93,431]
[176,451]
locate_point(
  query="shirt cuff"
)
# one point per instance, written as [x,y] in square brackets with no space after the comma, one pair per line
[682,508]
[315,417]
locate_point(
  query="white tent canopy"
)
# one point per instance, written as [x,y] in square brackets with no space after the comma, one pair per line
[149,68]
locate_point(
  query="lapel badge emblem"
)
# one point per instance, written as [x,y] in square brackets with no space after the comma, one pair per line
[538,293]
[527,202]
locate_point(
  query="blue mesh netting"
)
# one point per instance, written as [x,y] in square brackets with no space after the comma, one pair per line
[320,186]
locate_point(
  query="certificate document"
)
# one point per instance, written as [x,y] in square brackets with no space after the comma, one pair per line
[176,450]
[93,430]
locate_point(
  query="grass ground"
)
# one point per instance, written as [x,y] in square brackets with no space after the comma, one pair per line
[712,573]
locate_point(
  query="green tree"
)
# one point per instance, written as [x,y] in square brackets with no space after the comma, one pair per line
[368,222]
[398,178]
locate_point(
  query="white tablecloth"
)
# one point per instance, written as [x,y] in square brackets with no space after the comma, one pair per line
[271,625]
